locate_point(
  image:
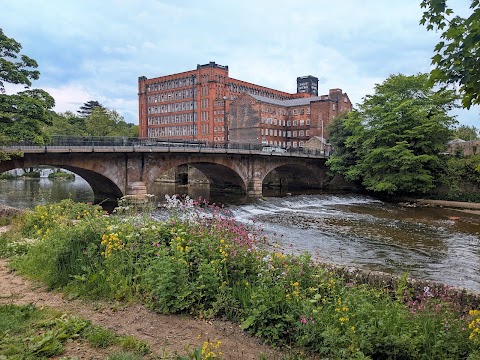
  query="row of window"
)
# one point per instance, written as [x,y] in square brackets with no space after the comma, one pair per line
[270,121]
[171,119]
[174,107]
[218,103]
[175,95]
[171,84]
[190,81]
[239,89]
[280,133]
[281,111]
[283,144]
[173,131]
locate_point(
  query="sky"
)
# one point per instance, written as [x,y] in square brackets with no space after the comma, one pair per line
[97,49]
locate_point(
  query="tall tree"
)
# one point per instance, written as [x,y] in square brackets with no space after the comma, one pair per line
[12,69]
[458,53]
[24,115]
[466,132]
[391,144]
[67,124]
[339,133]
[99,123]
[105,122]
[87,108]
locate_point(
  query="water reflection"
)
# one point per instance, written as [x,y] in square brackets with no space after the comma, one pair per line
[28,193]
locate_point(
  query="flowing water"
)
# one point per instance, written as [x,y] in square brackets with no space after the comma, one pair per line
[428,243]
[359,231]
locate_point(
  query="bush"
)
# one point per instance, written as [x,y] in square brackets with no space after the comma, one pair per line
[7,176]
[61,175]
[460,180]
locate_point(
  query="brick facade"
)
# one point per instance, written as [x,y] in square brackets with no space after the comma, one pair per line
[194,105]
[284,123]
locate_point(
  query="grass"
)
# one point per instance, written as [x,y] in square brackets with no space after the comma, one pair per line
[27,332]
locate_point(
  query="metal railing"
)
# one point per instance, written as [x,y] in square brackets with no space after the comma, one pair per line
[156,144]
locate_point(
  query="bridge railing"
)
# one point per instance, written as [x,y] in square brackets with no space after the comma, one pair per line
[149,144]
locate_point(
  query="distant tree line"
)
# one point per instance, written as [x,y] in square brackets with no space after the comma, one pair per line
[91,120]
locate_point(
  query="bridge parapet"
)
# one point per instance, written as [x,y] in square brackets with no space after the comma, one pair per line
[159,149]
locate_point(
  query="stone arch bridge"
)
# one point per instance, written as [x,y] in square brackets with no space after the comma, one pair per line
[113,172]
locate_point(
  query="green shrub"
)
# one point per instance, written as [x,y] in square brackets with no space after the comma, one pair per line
[61,175]
[7,176]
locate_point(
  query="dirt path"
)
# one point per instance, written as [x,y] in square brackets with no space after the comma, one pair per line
[170,333]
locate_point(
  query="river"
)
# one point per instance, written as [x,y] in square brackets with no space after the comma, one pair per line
[352,230]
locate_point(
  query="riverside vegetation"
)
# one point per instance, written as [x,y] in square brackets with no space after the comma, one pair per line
[199,260]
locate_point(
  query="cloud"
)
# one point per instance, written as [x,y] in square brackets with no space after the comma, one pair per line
[98,49]
[69,97]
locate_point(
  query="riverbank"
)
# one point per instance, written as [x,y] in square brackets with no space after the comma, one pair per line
[8,211]
[466,207]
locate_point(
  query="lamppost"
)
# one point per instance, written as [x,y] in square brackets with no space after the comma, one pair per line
[225,120]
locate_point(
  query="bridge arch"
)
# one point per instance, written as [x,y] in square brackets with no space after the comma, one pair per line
[222,174]
[104,188]
[291,175]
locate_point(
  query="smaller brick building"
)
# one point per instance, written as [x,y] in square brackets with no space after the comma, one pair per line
[256,119]
[465,148]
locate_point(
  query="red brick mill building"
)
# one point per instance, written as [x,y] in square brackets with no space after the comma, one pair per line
[196,105]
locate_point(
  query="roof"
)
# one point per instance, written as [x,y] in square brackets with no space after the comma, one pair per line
[456,141]
[292,102]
